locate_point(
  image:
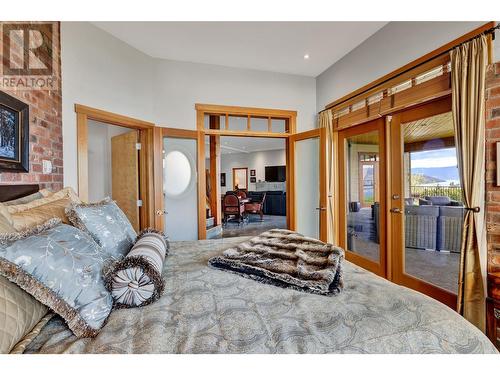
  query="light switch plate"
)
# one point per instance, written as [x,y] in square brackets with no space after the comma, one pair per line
[46,166]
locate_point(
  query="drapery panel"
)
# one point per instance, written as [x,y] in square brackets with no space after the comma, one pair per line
[325,120]
[468,72]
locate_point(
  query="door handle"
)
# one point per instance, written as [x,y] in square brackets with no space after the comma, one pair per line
[161,212]
[321,208]
[395,210]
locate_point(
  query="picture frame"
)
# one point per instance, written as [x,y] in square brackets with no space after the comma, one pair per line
[253,180]
[252,173]
[223,179]
[14,134]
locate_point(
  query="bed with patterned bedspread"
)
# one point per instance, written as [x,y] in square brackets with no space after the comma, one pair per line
[205,310]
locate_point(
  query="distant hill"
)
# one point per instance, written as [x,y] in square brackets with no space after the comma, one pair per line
[423,179]
[441,174]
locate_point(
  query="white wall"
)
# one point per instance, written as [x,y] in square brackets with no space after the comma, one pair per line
[253,160]
[393,46]
[179,85]
[99,71]
[99,153]
[103,72]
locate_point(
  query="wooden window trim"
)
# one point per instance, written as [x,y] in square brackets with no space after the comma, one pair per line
[290,118]
[417,63]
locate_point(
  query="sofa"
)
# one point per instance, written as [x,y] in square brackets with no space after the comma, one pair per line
[439,200]
[434,227]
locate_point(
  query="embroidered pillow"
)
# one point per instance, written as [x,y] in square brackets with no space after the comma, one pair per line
[107,225]
[61,267]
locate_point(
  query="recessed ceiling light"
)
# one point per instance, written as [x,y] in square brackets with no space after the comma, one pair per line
[306,56]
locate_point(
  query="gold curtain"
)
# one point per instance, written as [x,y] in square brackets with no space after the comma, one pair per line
[468,71]
[325,120]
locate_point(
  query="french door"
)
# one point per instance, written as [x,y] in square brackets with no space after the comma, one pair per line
[426,213]
[400,204]
[362,195]
[307,183]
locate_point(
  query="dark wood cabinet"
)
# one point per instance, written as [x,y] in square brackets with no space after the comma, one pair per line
[493,309]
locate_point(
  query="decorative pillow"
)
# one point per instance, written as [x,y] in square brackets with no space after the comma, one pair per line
[60,266]
[19,313]
[27,215]
[136,280]
[107,225]
[29,198]
[5,225]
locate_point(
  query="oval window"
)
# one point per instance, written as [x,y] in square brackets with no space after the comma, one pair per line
[177,173]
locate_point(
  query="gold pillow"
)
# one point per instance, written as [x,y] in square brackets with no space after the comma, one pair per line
[24,216]
[5,225]
[19,314]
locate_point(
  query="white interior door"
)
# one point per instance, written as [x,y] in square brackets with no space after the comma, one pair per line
[310,212]
[180,191]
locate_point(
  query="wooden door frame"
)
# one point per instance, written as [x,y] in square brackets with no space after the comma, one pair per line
[222,110]
[396,186]
[323,177]
[240,168]
[146,135]
[379,268]
[361,178]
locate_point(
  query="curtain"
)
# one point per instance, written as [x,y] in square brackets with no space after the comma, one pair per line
[325,120]
[468,71]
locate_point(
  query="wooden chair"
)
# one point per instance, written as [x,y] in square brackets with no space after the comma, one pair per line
[256,206]
[242,194]
[233,207]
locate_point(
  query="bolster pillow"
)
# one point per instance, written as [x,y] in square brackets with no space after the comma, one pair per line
[136,280]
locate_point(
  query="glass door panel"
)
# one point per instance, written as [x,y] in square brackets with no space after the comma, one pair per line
[307,186]
[308,167]
[427,202]
[361,195]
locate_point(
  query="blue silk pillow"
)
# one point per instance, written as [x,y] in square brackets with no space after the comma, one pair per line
[61,267]
[107,225]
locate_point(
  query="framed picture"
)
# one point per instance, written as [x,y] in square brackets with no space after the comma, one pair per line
[252,172]
[223,179]
[253,180]
[14,134]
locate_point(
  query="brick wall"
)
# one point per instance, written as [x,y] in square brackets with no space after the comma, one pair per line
[45,128]
[492,190]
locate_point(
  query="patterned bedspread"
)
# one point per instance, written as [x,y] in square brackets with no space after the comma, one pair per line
[204,310]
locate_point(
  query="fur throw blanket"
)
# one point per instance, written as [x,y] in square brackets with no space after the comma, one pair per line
[287,259]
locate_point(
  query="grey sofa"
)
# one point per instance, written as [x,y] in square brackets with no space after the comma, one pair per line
[449,235]
[440,200]
[433,227]
[421,227]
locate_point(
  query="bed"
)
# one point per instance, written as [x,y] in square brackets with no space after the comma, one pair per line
[205,310]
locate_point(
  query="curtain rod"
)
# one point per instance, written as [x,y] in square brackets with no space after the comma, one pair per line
[489,31]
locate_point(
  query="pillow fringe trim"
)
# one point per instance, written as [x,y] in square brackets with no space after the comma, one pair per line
[8,238]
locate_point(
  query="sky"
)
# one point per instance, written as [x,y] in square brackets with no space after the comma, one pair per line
[445,157]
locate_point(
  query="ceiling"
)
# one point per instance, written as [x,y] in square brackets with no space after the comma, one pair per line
[268,46]
[235,145]
[435,127]
[426,129]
